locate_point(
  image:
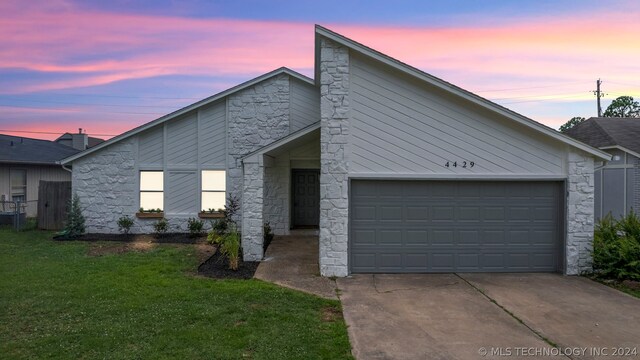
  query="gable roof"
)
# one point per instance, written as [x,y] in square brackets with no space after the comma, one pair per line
[446,86]
[603,132]
[186,109]
[21,150]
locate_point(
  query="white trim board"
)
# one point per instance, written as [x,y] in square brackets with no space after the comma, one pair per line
[443,85]
[188,108]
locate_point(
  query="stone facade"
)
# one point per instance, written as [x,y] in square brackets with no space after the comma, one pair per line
[252,209]
[334,158]
[580,213]
[257,116]
[277,195]
[107,184]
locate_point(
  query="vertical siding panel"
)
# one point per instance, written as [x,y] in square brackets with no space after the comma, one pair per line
[305,104]
[150,146]
[182,135]
[181,193]
[213,134]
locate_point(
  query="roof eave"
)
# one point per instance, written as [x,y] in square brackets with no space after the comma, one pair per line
[188,108]
[441,84]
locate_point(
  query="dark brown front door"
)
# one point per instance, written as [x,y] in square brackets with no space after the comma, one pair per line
[306,198]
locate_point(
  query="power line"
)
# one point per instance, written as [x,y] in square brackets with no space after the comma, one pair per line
[129,96]
[533,96]
[539,100]
[47,132]
[534,87]
[87,104]
[76,110]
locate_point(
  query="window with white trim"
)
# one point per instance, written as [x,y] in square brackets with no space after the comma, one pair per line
[213,189]
[152,190]
[18,185]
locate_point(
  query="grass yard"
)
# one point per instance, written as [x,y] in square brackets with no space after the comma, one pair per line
[59,300]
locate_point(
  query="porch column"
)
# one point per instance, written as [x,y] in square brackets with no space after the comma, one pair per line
[252,206]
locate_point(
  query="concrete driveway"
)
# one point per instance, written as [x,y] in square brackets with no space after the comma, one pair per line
[471,316]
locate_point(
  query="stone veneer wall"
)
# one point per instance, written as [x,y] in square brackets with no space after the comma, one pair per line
[252,210]
[580,213]
[277,195]
[334,161]
[257,116]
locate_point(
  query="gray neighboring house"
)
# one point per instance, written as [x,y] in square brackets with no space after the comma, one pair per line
[400,171]
[617,182]
[24,162]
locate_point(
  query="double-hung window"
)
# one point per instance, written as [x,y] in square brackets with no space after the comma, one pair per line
[152,190]
[18,185]
[213,189]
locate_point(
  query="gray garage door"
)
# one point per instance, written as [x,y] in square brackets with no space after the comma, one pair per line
[463,226]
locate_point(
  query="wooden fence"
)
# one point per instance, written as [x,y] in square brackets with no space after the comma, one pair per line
[53,199]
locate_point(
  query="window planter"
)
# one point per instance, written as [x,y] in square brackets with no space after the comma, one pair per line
[208,215]
[150,215]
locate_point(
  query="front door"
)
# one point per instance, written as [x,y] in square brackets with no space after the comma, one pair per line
[306,198]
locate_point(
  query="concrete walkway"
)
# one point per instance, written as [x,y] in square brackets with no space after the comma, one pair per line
[488,316]
[292,261]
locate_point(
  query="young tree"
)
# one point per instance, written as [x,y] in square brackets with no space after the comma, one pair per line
[571,123]
[623,106]
[74,226]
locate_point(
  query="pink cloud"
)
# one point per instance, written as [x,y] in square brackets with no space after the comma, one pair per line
[102,47]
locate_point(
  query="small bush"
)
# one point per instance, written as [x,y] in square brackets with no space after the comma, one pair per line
[74,226]
[195,227]
[161,227]
[616,247]
[124,224]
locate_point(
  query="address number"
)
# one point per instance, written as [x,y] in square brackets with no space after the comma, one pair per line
[462,164]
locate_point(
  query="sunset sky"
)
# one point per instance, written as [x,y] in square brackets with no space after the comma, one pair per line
[109,66]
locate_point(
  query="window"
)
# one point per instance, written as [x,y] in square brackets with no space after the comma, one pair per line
[19,185]
[213,189]
[152,190]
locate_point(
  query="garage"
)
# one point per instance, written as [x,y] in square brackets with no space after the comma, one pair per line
[406,226]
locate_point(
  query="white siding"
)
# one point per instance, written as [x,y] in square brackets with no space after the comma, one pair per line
[213,135]
[150,148]
[305,104]
[182,140]
[402,126]
[181,193]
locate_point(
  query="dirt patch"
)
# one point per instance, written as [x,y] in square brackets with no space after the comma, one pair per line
[216,267]
[331,314]
[204,251]
[101,249]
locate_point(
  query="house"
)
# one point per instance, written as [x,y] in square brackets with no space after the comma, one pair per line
[399,170]
[79,140]
[617,182]
[24,162]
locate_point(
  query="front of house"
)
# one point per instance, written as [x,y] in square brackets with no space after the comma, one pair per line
[399,171]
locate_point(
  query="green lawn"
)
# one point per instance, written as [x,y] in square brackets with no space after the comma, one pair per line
[57,301]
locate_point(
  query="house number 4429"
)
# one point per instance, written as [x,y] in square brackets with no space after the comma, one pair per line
[462,164]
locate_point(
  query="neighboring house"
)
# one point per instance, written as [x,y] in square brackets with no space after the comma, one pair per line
[617,182]
[399,170]
[79,140]
[24,162]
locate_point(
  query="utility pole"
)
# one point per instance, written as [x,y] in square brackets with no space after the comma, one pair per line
[598,95]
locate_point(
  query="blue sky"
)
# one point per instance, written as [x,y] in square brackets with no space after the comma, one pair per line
[108,66]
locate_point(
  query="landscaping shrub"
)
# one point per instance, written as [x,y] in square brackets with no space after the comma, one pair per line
[161,227]
[195,227]
[230,247]
[124,224]
[74,226]
[616,247]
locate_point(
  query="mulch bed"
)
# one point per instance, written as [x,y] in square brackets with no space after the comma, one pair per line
[169,238]
[217,267]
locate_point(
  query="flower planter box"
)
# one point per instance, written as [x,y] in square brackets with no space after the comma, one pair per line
[207,215]
[150,215]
